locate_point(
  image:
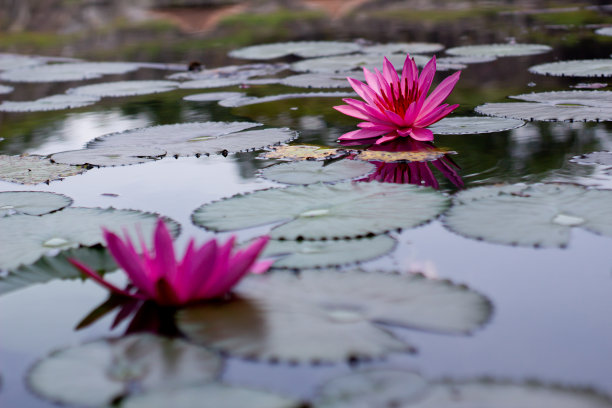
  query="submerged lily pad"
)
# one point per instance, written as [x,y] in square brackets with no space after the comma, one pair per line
[330,316]
[77,71]
[545,112]
[540,215]
[69,228]
[123,88]
[252,100]
[319,254]
[98,373]
[597,99]
[49,103]
[304,49]
[601,158]
[320,80]
[303,152]
[403,48]
[31,202]
[319,211]
[5,89]
[308,172]
[575,68]
[34,169]
[212,96]
[188,139]
[468,125]
[499,50]
[111,156]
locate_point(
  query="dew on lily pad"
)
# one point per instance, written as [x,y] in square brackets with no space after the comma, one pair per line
[111,156]
[34,169]
[308,172]
[77,71]
[331,316]
[320,211]
[545,112]
[467,125]
[304,49]
[252,100]
[123,88]
[303,152]
[540,215]
[499,50]
[403,48]
[100,372]
[597,99]
[69,228]
[575,68]
[49,103]
[212,96]
[4,89]
[195,138]
[601,158]
[31,202]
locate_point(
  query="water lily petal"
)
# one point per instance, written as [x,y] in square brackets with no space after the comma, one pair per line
[164,253]
[422,134]
[93,275]
[435,115]
[361,134]
[427,76]
[351,111]
[440,93]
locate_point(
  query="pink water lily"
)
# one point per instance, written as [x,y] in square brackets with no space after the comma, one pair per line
[207,272]
[397,107]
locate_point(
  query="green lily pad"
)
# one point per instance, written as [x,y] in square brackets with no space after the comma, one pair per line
[468,125]
[5,89]
[110,156]
[598,99]
[320,80]
[31,202]
[69,228]
[252,100]
[403,48]
[330,316]
[189,139]
[49,103]
[540,215]
[575,68]
[212,96]
[601,158]
[96,374]
[604,31]
[545,112]
[123,88]
[303,152]
[77,71]
[331,253]
[34,169]
[499,50]
[304,49]
[308,172]
[345,63]
[319,211]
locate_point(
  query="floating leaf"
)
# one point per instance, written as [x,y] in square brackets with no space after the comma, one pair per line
[241,72]
[468,125]
[575,68]
[539,215]
[188,139]
[69,228]
[604,31]
[308,172]
[111,156]
[545,112]
[441,65]
[123,88]
[345,63]
[252,100]
[31,202]
[5,89]
[597,99]
[320,80]
[319,211]
[14,61]
[98,373]
[408,156]
[49,103]
[499,50]
[212,96]
[329,316]
[303,152]
[67,72]
[589,85]
[403,48]
[34,169]
[467,59]
[211,83]
[304,49]
[601,158]
[319,254]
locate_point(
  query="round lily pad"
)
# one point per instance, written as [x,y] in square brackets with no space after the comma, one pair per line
[252,100]
[345,63]
[304,49]
[467,125]
[31,202]
[211,83]
[34,169]
[320,80]
[575,68]
[540,215]
[15,61]
[188,139]
[545,112]
[604,31]
[5,89]
[319,211]
[601,158]
[49,103]
[98,373]
[403,48]
[123,88]
[308,172]
[303,152]
[499,50]
[212,96]
[77,71]
[330,316]
[110,156]
[319,254]
[69,228]
[466,59]
[598,99]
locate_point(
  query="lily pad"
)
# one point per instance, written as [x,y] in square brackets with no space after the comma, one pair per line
[403,48]
[545,112]
[467,59]
[189,139]
[320,254]
[597,99]
[308,172]
[252,100]
[15,61]
[469,125]
[69,228]
[575,68]
[319,211]
[5,89]
[98,373]
[49,103]
[34,169]
[604,31]
[212,96]
[111,156]
[211,83]
[242,72]
[123,88]
[320,80]
[303,152]
[499,50]
[31,202]
[330,316]
[304,49]
[601,158]
[78,71]
[408,156]
[540,215]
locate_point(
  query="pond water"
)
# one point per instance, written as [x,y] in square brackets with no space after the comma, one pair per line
[550,318]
